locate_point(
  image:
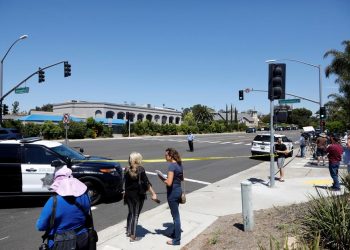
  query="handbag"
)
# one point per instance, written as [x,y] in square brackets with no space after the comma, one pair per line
[183,194]
[89,223]
[44,245]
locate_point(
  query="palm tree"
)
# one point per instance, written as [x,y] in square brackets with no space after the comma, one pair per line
[340,66]
[202,113]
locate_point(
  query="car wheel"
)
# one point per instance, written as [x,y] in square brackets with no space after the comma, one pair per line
[94,192]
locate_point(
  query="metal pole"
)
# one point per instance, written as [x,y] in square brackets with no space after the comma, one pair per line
[129,128]
[1,77]
[320,90]
[272,144]
[247,208]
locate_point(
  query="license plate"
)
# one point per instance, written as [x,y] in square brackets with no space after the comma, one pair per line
[262,147]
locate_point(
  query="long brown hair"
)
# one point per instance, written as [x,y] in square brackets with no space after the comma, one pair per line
[173,154]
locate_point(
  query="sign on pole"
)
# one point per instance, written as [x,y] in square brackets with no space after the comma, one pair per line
[23,90]
[284,101]
[66,118]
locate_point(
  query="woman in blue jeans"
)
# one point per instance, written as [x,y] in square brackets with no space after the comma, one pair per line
[174,190]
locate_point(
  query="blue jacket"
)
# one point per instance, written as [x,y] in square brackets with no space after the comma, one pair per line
[68,215]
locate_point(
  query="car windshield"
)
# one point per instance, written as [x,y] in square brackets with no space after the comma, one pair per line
[68,152]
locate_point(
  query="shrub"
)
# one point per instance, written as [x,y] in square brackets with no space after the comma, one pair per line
[31,130]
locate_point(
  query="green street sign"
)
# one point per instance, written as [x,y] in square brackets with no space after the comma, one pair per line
[22,90]
[284,101]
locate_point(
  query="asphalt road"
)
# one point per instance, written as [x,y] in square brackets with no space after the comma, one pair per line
[215,157]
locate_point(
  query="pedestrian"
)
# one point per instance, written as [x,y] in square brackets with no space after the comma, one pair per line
[321,145]
[173,184]
[190,139]
[136,187]
[334,154]
[281,151]
[72,205]
[347,155]
[302,145]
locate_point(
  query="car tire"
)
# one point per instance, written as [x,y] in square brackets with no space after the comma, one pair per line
[94,192]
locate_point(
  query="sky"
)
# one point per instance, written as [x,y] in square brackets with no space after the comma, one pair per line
[169,53]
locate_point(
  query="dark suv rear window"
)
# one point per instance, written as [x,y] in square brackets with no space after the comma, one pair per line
[264,138]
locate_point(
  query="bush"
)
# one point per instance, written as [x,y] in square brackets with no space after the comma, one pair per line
[328,217]
[51,131]
[31,130]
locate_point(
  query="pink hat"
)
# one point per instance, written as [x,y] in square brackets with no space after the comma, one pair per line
[66,185]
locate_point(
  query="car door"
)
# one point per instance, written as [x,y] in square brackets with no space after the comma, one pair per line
[37,172]
[10,169]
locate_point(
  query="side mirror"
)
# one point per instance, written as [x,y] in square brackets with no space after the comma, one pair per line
[57,163]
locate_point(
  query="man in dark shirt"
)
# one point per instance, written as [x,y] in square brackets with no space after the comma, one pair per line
[281,151]
[334,153]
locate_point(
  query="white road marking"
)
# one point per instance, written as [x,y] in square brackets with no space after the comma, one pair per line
[236,143]
[5,238]
[186,179]
[227,142]
[248,144]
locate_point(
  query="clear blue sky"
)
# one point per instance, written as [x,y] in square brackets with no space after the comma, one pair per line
[178,53]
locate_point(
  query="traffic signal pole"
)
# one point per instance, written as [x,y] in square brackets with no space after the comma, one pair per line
[19,84]
[272,147]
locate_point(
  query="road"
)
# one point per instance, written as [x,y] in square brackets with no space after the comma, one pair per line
[214,158]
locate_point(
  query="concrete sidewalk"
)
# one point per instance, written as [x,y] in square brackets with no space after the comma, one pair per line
[205,205]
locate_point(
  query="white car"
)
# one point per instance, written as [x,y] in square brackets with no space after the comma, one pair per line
[261,144]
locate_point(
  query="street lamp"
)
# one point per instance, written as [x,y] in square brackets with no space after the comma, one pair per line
[1,72]
[319,79]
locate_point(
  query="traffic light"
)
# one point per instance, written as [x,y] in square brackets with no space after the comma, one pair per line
[67,69]
[322,112]
[241,96]
[41,75]
[5,109]
[277,81]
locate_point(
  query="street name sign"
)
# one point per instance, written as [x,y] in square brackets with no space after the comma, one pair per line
[283,101]
[22,90]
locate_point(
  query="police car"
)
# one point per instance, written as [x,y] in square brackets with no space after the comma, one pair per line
[261,144]
[27,167]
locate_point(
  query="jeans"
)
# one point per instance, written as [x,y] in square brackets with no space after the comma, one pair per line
[302,151]
[173,201]
[333,170]
[135,207]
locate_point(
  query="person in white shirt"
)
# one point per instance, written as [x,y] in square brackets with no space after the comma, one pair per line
[190,138]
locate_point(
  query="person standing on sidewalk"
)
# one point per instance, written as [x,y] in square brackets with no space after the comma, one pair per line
[347,155]
[134,195]
[321,144]
[302,145]
[281,151]
[334,153]
[174,191]
[190,138]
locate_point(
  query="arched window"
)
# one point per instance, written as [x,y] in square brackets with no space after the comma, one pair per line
[98,114]
[177,120]
[121,115]
[171,119]
[156,118]
[140,117]
[109,114]
[149,117]
[164,119]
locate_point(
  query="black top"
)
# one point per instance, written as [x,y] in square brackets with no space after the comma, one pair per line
[280,147]
[132,184]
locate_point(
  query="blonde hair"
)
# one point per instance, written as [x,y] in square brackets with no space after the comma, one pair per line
[135,161]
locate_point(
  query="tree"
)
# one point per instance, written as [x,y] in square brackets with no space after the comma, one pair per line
[47,107]
[301,117]
[15,108]
[340,66]
[202,114]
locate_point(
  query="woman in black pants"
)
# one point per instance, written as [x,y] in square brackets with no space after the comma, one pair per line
[134,175]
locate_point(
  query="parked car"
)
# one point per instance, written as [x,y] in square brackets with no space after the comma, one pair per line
[250,130]
[27,167]
[10,133]
[261,144]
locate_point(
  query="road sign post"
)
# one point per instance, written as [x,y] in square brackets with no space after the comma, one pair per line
[66,120]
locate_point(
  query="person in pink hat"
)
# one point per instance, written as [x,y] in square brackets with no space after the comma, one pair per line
[71,210]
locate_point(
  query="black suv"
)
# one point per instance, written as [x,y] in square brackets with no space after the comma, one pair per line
[10,133]
[27,167]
